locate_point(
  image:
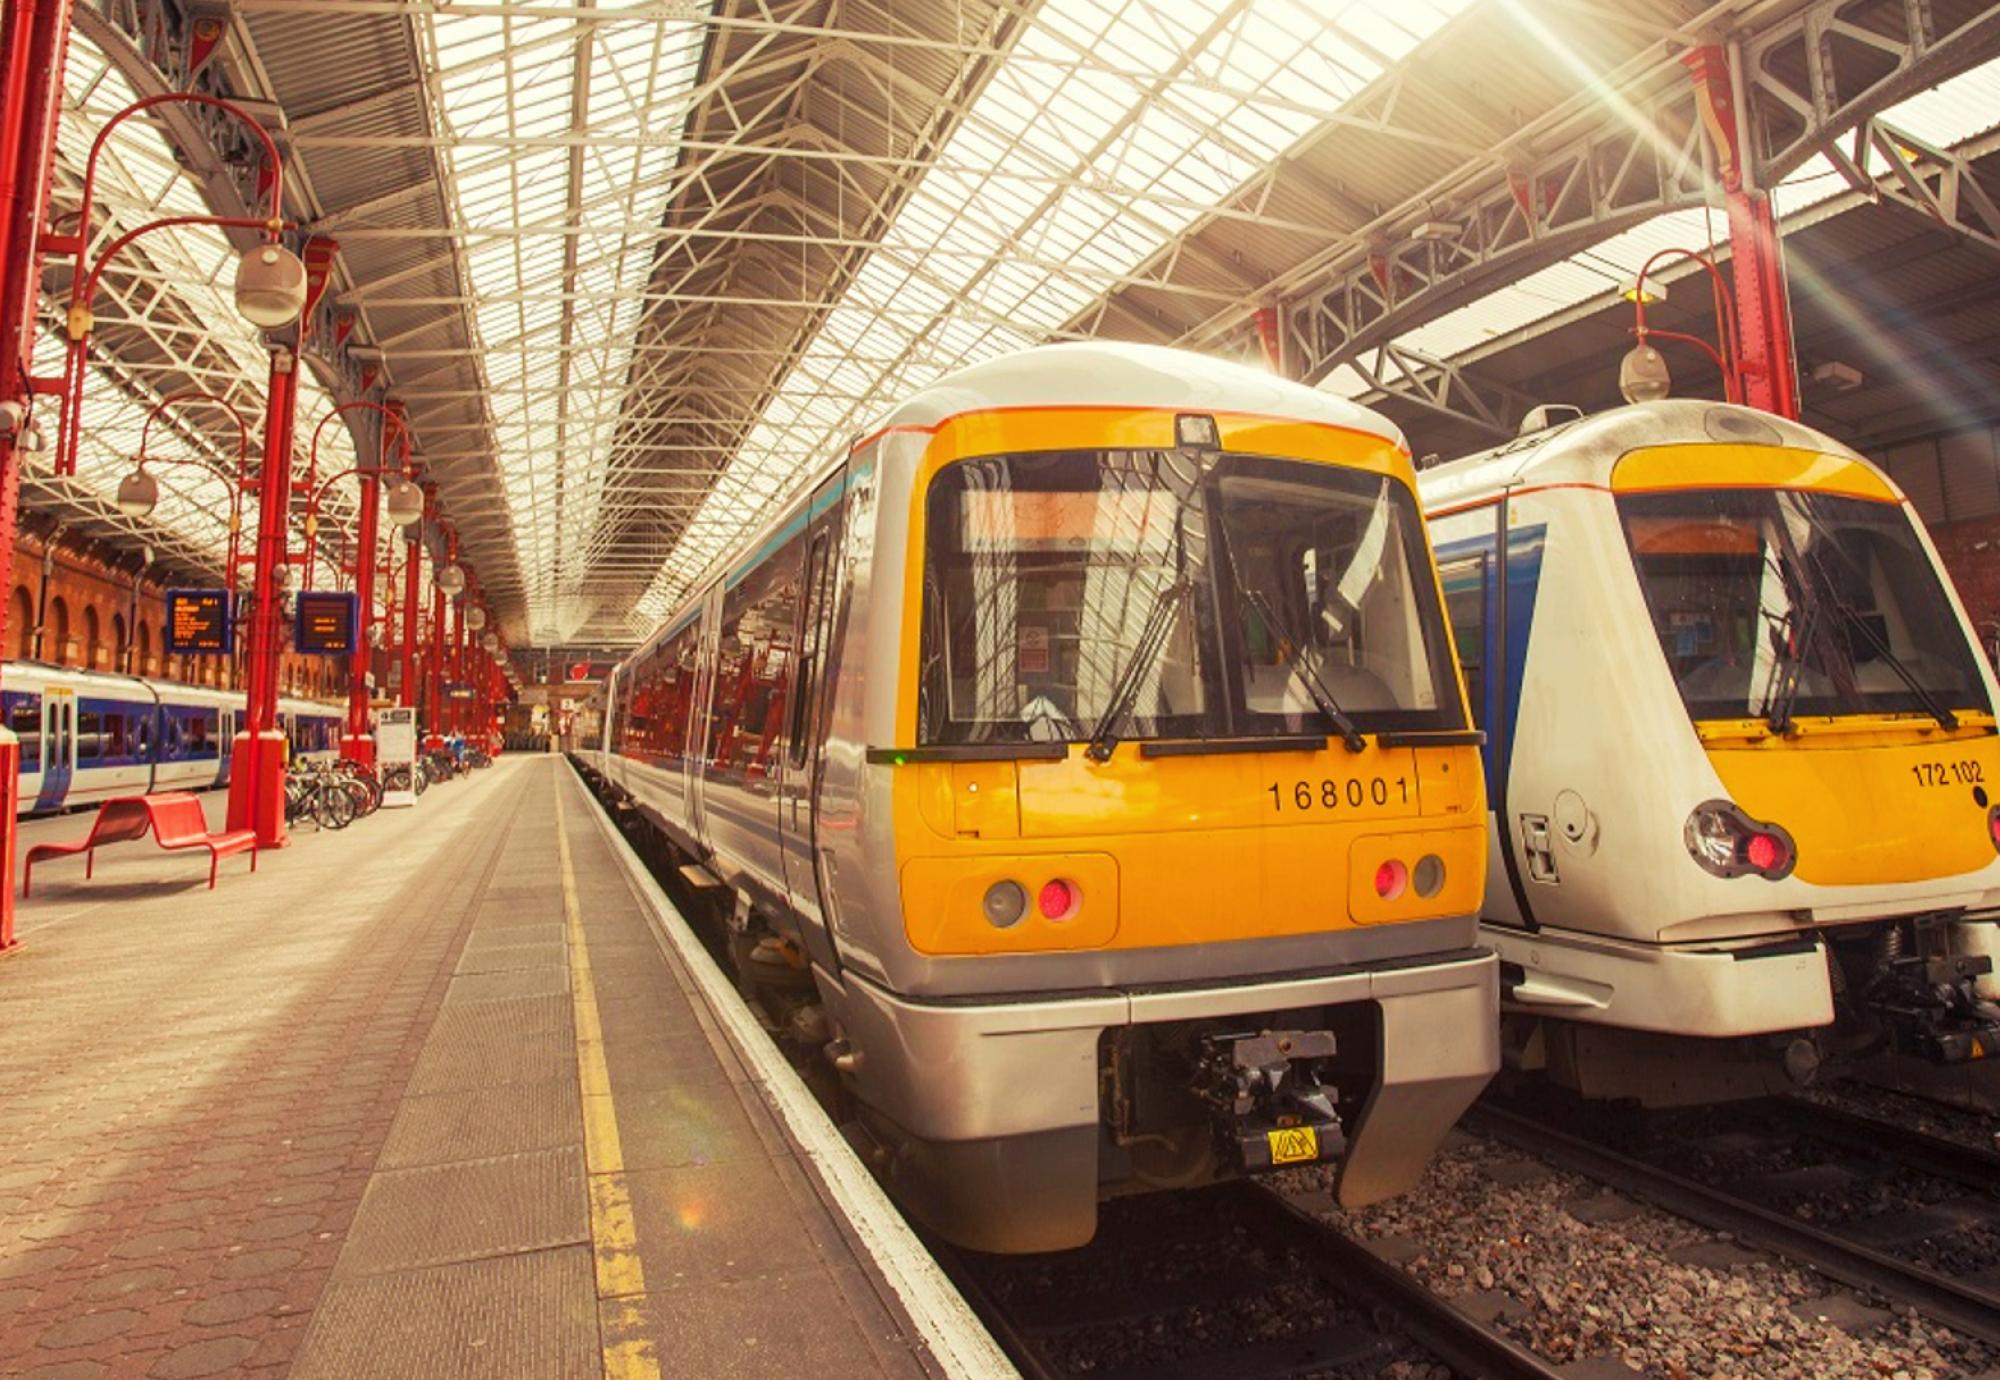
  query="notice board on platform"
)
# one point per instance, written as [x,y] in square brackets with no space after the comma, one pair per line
[198,622]
[325,622]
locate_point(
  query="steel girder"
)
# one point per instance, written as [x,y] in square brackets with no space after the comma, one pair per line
[1813,73]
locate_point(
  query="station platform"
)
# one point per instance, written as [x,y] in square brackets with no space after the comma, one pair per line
[443,1094]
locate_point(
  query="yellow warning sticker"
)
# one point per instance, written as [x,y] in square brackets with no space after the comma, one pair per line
[1293,1145]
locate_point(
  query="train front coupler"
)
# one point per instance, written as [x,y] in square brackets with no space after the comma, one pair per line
[1267,1093]
[1927,996]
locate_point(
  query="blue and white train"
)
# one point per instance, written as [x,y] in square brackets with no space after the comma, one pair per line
[89,735]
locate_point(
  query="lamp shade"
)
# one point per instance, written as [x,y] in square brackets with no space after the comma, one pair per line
[138,492]
[270,286]
[450,578]
[1643,376]
[405,503]
[475,618]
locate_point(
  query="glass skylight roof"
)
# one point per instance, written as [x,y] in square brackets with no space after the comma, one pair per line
[558,311]
[1062,179]
[1945,115]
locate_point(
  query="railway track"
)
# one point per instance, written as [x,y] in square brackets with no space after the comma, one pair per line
[1233,1281]
[1895,1252]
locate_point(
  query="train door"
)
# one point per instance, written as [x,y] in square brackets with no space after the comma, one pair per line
[58,747]
[225,745]
[804,738]
[694,759]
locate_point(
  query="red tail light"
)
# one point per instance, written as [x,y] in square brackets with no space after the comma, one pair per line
[1059,899]
[1765,852]
[1993,824]
[1391,878]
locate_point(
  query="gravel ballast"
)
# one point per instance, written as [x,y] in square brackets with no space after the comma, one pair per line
[1574,1273]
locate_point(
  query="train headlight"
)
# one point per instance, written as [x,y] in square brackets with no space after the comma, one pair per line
[1428,875]
[1729,843]
[1993,825]
[1005,904]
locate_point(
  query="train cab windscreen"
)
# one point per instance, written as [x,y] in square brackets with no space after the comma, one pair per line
[1775,603]
[1167,594]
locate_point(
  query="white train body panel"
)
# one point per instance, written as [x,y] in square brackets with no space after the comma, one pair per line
[1596,763]
[87,736]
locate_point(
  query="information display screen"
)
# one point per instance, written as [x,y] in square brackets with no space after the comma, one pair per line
[198,622]
[325,623]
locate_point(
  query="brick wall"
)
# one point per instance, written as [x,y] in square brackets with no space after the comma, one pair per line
[87,619]
[1971,552]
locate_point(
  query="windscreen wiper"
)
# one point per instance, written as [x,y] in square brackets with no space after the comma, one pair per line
[1852,617]
[1125,689]
[1816,566]
[1298,667]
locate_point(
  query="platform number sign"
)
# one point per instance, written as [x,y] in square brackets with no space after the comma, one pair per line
[325,623]
[198,623]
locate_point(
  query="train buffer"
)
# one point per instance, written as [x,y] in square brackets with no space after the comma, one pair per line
[174,818]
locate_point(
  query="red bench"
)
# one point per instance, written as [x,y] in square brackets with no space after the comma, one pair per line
[175,820]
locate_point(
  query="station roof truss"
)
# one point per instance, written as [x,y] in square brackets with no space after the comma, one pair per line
[637,270]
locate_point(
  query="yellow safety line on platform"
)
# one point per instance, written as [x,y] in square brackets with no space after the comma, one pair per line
[614,1231]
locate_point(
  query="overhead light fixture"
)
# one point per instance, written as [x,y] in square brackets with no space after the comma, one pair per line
[1435,231]
[1649,294]
[405,503]
[491,642]
[270,286]
[1842,378]
[138,493]
[450,578]
[1643,376]
[475,618]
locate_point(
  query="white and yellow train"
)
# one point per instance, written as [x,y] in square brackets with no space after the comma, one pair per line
[1741,753]
[1081,763]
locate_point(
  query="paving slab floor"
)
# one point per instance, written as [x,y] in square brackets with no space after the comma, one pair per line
[424,1097]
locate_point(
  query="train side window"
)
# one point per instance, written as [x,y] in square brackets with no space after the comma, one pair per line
[89,735]
[1466,583]
[755,664]
[24,716]
[116,742]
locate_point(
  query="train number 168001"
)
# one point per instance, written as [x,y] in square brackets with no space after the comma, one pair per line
[1351,794]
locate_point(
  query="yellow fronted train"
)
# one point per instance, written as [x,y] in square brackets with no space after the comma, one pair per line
[1084,774]
[1741,754]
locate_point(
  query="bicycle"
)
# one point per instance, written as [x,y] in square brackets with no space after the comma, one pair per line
[315,792]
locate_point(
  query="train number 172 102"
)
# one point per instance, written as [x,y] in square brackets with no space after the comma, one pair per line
[1964,773]
[1351,794]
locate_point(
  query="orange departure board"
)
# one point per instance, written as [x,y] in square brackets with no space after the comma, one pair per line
[325,623]
[198,622]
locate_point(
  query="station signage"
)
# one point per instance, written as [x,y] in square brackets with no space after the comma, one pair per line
[458,690]
[198,623]
[325,622]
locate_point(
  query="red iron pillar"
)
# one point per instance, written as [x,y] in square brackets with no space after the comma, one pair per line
[406,693]
[1756,264]
[358,744]
[34,41]
[434,670]
[257,779]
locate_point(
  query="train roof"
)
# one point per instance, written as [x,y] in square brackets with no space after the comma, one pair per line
[1107,373]
[1583,451]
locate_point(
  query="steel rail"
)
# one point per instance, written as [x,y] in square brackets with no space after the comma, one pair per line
[1948,1159]
[1395,1301]
[1963,1307]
